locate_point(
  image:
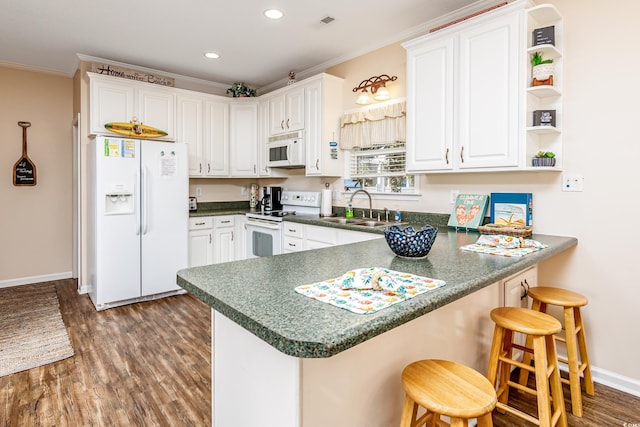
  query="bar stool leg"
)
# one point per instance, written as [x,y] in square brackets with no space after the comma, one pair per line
[584,355]
[409,412]
[485,421]
[574,370]
[542,382]
[526,356]
[556,384]
[494,361]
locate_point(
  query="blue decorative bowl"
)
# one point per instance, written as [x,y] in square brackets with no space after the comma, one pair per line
[409,243]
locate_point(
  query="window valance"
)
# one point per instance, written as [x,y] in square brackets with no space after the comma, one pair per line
[374,126]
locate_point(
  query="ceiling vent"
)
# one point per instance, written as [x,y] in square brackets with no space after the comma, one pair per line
[327,20]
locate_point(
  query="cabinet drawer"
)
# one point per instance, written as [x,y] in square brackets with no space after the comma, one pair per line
[292,244]
[326,235]
[294,230]
[224,221]
[200,223]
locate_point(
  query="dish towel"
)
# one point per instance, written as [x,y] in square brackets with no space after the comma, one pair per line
[367,290]
[504,245]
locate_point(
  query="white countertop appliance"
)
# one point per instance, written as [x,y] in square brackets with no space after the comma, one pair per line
[138,219]
[264,230]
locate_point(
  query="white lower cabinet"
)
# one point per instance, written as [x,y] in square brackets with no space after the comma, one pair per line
[302,237]
[200,241]
[514,289]
[224,231]
[293,237]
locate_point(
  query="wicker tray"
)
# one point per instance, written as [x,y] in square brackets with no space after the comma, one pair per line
[509,230]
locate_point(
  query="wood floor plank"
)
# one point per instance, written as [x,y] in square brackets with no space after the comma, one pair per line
[146,364]
[149,364]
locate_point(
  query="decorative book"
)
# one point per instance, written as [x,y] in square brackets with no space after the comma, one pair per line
[469,211]
[512,209]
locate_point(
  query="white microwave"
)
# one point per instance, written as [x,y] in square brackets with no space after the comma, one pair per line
[286,151]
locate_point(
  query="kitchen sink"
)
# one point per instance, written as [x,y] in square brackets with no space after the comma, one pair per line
[349,221]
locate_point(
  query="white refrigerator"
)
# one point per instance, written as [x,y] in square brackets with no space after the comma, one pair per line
[138,219]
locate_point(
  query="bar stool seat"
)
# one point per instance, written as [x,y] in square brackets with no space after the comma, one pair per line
[446,388]
[541,328]
[577,355]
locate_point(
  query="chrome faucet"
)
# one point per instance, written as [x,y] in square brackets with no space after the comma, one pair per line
[369,195]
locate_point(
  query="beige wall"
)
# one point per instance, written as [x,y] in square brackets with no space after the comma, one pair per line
[35,222]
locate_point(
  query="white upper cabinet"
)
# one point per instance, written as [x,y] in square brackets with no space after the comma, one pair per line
[203,124]
[243,139]
[463,96]
[114,99]
[286,111]
[469,100]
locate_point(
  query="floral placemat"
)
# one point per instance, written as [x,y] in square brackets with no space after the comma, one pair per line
[368,290]
[504,246]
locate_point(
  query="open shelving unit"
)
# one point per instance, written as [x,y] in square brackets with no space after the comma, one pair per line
[544,97]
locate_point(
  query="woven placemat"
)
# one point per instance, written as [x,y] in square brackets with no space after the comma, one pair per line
[32,332]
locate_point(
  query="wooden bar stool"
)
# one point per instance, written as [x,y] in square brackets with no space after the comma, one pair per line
[541,328]
[577,356]
[446,388]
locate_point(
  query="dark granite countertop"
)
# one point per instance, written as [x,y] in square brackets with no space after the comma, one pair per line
[259,295]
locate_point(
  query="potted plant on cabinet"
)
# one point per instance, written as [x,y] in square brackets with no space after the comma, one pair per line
[544,158]
[241,90]
[542,71]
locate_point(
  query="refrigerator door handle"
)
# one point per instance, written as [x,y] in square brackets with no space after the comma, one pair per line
[144,199]
[136,191]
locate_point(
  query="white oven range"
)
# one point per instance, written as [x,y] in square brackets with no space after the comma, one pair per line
[264,229]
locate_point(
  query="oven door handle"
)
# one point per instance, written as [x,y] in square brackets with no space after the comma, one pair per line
[263,224]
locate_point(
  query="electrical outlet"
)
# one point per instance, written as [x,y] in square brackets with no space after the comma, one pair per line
[453,196]
[198,191]
[243,190]
[572,182]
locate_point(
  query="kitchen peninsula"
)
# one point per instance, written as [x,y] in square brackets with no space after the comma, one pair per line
[282,359]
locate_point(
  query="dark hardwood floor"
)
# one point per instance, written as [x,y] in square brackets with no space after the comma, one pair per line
[149,364]
[146,364]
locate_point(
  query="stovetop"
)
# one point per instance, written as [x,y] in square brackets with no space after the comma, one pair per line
[293,202]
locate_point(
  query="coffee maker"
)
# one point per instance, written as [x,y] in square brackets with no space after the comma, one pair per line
[271,199]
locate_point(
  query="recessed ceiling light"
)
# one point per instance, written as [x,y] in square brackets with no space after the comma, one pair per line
[273,13]
[212,55]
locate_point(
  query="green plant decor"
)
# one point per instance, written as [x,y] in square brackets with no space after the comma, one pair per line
[545,154]
[239,89]
[537,59]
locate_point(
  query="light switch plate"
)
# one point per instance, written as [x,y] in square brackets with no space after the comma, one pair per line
[572,182]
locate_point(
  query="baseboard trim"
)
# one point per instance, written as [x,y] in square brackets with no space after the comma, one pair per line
[611,379]
[35,279]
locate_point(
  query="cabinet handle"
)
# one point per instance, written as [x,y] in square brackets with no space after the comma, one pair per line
[525,292]
[292,244]
[227,221]
[199,223]
[200,166]
[293,230]
[462,155]
[254,168]
[209,238]
[232,236]
[282,124]
[446,156]
[288,120]
[208,167]
[317,164]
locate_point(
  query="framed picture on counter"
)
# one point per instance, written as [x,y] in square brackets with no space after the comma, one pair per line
[512,209]
[468,211]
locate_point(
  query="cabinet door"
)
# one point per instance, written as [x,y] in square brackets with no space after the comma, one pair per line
[200,247]
[241,236]
[156,107]
[294,109]
[277,114]
[263,137]
[224,245]
[430,76]
[489,107]
[110,102]
[216,138]
[189,130]
[313,134]
[244,139]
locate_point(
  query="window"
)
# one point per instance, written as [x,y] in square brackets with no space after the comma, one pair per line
[381,168]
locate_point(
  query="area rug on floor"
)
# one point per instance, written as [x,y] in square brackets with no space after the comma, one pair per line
[32,332]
